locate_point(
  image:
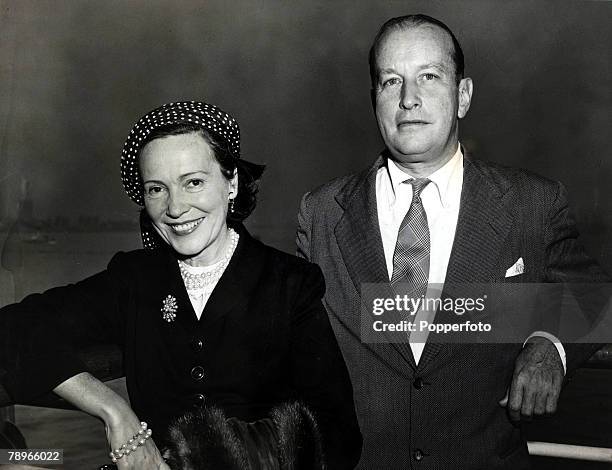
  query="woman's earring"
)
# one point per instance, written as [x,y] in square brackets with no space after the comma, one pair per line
[231,206]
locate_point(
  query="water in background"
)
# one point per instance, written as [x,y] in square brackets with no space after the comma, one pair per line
[41,260]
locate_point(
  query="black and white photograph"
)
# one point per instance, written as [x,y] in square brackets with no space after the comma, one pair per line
[198,198]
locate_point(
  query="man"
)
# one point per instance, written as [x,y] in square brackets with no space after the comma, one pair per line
[426,211]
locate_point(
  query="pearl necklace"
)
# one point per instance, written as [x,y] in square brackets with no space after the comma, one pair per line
[195,281]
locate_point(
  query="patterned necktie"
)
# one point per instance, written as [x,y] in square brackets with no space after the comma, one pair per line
[411,255]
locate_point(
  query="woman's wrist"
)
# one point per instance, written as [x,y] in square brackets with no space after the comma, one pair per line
[117,412]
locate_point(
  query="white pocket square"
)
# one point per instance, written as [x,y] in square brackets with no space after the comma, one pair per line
[516,269]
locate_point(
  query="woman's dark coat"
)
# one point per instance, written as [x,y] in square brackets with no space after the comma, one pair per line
[263,338]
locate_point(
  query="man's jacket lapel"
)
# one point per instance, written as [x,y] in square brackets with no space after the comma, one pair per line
[360,243]
[483,225]
[482,228]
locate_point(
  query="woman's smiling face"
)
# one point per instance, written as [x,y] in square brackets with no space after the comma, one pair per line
[186,195]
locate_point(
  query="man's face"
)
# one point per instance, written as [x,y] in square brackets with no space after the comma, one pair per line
[417,100]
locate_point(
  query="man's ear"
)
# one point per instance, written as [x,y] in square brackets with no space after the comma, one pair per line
[464,91]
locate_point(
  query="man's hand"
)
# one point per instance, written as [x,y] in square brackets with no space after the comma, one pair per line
[537,380]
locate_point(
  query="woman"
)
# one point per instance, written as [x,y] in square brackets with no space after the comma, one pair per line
[207,317]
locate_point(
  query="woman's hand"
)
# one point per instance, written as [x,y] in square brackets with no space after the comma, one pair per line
[147,456]
[92,396]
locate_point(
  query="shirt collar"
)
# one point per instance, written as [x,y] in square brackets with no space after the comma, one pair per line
[447,180]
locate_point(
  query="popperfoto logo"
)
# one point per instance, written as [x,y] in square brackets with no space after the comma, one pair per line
[485,313]
[396,314]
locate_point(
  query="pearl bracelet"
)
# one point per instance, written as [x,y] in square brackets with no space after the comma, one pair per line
[136,441]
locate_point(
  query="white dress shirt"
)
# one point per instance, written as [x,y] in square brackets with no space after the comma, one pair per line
[441,200]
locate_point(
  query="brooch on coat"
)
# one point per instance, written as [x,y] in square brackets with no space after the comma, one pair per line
[169,308]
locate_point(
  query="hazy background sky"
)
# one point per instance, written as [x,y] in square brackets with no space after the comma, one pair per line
[75,75]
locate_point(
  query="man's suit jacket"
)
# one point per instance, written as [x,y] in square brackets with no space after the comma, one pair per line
[443,413]
[264,338]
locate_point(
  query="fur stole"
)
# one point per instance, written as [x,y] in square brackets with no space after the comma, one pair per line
[289,439]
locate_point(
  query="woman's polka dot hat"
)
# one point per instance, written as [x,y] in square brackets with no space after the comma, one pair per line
[205,115]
